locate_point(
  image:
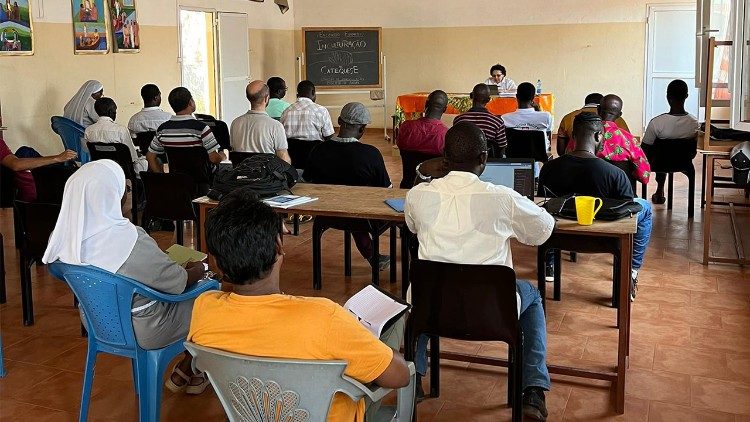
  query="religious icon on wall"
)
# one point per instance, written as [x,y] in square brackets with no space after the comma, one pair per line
[90,27]
[15,28]
[126,37]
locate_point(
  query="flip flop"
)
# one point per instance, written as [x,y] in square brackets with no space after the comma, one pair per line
[305,219]
[658,200]
[171,386]
[199,388]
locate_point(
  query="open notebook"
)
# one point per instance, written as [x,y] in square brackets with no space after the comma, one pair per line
[376,309]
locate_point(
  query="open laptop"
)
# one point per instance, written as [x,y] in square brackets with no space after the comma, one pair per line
[514,173]
[493,89]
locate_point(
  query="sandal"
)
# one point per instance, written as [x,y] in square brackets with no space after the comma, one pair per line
[305,219]
[658,200]
[171,386]
[198,388]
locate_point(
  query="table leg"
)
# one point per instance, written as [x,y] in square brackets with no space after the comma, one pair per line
[626,252]
[541,282]
[710,162]
[557,285]
[375,255]
[703,182]
[394,269]
[202,212]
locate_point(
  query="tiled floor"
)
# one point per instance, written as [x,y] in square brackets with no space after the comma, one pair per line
[690,358]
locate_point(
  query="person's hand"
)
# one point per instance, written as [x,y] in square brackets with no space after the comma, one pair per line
[66,155]
[194,264]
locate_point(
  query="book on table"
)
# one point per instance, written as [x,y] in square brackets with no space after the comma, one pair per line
[182,255]
[376,309]
[287,201]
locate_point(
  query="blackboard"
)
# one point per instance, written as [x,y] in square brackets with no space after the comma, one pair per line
[343,57]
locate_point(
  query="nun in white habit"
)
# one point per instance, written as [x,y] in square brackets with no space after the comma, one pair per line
[80,108]
[91,230]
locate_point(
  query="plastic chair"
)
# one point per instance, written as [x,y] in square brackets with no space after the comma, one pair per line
[299,390]
[119,153]
[35,222]
[527,144]
[219,129]
[236,157]
[106,300]
[466,302]
[192,161]
[71,134]
[50,182]
[409,162]
[673,156]
[169,196]
[299,150]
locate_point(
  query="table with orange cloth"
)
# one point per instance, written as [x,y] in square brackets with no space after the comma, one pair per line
[411,106]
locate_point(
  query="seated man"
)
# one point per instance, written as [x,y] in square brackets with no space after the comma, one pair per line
[582,172]
[151,116]
[426,134]
[257,319]
[343,160]
[182,131]
[23,179]
[565,132]
[107,131]
[460,219]
[276,105]
[492,125]
[526,117]
[256,131]
[677,124]
[305,120]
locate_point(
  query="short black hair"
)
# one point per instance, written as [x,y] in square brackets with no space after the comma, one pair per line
[677,90]
[305,89]
[499,67]
[593,98]
[587,123]
[526,92]
[464,143]
[105,106]
[149,92]
[241,234]
[276,85]
[179,99]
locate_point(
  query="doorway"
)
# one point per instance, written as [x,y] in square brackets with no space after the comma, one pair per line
[198,58]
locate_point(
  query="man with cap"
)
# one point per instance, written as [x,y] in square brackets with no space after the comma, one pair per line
[343,160]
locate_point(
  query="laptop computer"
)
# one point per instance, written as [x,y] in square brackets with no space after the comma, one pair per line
[493,89]
[514,173]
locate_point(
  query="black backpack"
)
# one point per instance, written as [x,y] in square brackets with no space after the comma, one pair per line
[265,174]
[612,209]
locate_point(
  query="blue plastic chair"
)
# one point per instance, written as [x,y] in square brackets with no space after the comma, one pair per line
[106,300]
[71,134]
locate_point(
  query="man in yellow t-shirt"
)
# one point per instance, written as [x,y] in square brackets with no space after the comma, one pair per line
[257,319]
[565,132]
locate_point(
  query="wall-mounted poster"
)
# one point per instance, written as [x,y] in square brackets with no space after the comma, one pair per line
[125,30]
[15,28]
[90,27]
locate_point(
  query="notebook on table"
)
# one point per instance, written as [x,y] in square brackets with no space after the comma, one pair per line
[514,173]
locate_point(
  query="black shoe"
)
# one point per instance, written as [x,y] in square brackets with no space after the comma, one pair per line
[549,273]
[534,406]
[633,288]
[419,391]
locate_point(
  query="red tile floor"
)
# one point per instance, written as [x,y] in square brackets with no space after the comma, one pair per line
[690,358]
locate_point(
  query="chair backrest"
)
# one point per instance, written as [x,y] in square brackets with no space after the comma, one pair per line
[192,161]
[50,182]
[671,155]
[7,187]
[169,195]
[409,162]
[527,144]
[252,387]
[467,302]
[119,153]
[629,168]
[219,129]
[34,223]
[71,134]
[236,157]
[299,150]
[143,140]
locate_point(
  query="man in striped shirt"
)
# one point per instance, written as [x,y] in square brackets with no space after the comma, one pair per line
[492,125]
[182,131]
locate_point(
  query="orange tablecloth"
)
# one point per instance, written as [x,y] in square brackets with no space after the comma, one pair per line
[411,106]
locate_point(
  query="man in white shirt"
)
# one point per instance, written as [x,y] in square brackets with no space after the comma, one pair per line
[460,219]
[305,120]
[151,116]
[256,131]
[527,118]
[107,131]
[497,77]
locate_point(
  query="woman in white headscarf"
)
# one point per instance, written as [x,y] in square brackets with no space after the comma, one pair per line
[91,230]
[80,108]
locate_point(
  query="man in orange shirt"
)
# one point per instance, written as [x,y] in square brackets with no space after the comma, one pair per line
[245,236]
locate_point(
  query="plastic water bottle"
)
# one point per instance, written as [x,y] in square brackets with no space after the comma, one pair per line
[538,87]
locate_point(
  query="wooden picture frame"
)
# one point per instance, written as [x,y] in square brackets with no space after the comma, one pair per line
[16,28]
[379,85]
[90,27]
[124,26]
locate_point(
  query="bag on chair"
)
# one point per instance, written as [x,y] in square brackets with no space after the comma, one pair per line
[612,209]
[266,174]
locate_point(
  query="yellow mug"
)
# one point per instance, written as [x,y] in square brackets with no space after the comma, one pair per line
[586,209]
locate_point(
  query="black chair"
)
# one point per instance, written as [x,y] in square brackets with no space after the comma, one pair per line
[219,129]
[119,153]
[7,187]
[50,182]
[143,140]
[35,221]
[628,167]
[527,144]
[169,196]
[466,302]
[236,157]
[299,150]
[409,162]
[673,156]
[192,161]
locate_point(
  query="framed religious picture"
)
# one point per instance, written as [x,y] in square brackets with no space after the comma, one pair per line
[126,37]
[90,27]
[15,28]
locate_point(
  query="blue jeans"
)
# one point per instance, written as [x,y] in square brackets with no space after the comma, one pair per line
[534,329]
[643,234]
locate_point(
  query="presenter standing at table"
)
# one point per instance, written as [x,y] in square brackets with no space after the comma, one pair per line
[497,77]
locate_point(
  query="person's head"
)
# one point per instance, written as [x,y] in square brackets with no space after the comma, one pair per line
[181,101]
[480,95]
[151,95]
[244,235]
[353,120]
[277,86]
[465,148]
[497,73]
[95,87]
[587,131]
[437,103]
[106,107]
[677,93]
[257,93]
[593,98]
[610,108]
[306,89]
[525,95]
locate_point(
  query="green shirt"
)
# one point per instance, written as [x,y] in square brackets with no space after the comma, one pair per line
[276,107]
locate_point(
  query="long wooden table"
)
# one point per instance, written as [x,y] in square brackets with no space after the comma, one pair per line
[367,203]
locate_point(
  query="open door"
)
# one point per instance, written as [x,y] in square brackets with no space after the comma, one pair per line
[234,65]
[197,58]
